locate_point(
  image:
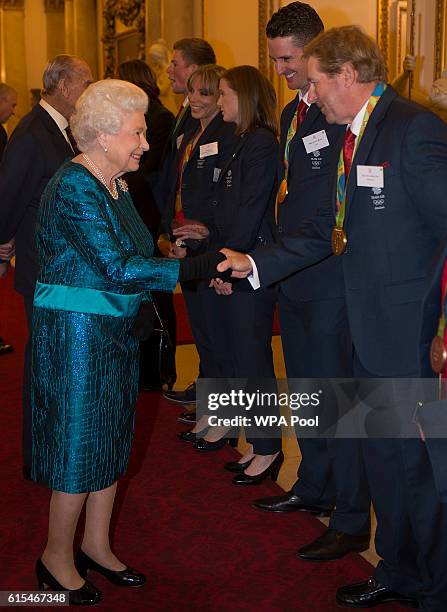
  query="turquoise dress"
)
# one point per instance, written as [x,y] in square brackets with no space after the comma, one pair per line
[96,267]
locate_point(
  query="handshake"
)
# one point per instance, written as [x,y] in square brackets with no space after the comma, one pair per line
[7,252]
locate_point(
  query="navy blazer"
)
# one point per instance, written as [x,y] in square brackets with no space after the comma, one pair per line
[394,235]
[36,149]
[308,187]
[197,180]
[244,195]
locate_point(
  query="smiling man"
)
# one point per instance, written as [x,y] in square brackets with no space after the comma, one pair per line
[398,150]
[312,310]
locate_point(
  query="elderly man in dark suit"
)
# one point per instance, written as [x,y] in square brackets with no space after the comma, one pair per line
[312,310]
[8,102]
[387,222]
[38,146]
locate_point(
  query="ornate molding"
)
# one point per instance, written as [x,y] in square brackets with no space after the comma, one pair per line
[12,5]
[383,15]
[440,38]
[54,6]
[132,14]
[263,17]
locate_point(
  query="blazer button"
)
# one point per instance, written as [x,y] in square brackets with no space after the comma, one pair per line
[214,203]
[280,229]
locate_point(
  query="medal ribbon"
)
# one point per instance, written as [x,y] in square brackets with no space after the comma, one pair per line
[178,196]
[342,181]
[297,120]
[441,326]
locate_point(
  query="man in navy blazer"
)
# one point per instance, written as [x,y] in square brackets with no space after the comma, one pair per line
[395,225]
[37,147]
[312,310]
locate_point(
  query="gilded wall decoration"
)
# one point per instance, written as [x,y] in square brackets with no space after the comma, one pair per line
[12,5]
[132,14]
[54,6]
[440,38]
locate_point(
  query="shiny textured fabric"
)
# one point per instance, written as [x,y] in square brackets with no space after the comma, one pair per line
[84,365]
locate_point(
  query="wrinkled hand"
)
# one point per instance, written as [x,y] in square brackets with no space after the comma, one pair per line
[409,63]
[221,287]
[195,231]
[4,267]
[7,250]
[238,262]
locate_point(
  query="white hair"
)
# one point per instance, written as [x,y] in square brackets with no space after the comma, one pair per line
[102,108]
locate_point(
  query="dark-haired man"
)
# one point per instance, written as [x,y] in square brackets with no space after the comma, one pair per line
[188,55]
[312,310]
[37,147]
[398,151]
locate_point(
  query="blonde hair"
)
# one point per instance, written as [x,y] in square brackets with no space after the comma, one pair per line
[210,74]
[348,44]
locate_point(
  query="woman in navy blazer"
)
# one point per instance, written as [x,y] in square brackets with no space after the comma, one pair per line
[240,319]
[191,194]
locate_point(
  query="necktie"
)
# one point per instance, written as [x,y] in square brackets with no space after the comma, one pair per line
[71,140]
[348,151]
[301,113]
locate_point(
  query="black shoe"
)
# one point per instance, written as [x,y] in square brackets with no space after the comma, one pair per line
[125,577]
[190,436]
[5,348]
[244,480]
[236,467]
[204,446]
[187,396]
[371,593]
[333,544]
[87,595]
[189,418]
[289,503]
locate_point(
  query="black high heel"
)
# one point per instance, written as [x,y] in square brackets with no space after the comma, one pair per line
[125,577]
[272,471]
[87,595]
[190,436]
[236,467]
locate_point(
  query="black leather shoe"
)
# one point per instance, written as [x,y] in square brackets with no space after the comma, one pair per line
[190,436]
[126,577]
[288,503]
[87,595]
[369,594]
[236,467]
[204,446]
[244,480]
[333,544]
[189,418]
[187,396]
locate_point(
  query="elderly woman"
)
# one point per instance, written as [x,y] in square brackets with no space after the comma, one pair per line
[95,270]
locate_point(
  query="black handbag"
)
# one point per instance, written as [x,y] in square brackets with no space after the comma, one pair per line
[166,351]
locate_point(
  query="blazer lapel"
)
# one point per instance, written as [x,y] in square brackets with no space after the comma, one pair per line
[367,142]
[57,138]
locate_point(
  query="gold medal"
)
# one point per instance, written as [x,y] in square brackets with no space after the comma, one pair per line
[338,241]
[282,191]
[438,355]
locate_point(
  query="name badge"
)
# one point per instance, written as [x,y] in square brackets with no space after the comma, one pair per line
[316,141]
[179,141]
[216,174]
[370,176]
[208,149]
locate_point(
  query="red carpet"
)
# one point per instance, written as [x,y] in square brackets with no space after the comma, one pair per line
[178,519]
[184,334]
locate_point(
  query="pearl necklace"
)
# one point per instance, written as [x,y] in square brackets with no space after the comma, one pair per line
[113,191]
